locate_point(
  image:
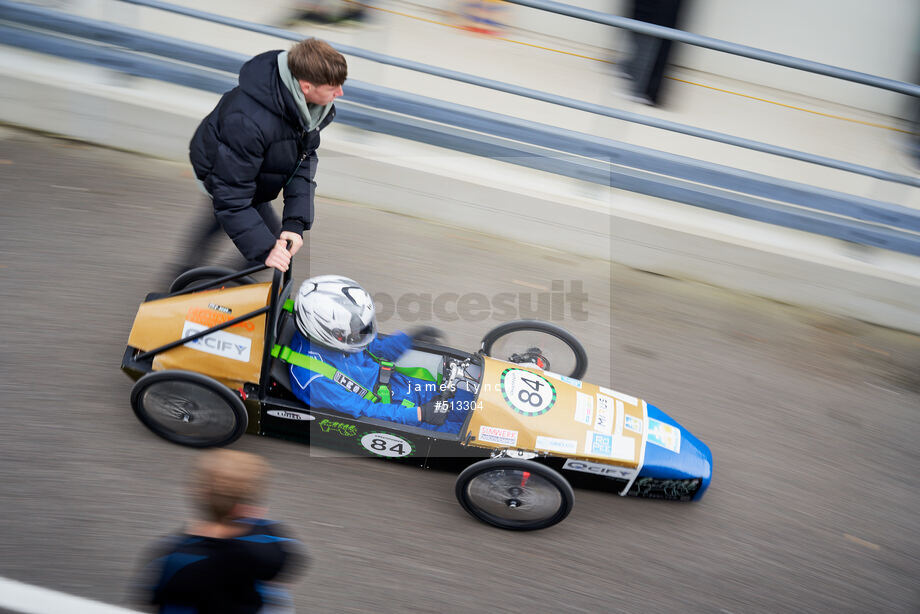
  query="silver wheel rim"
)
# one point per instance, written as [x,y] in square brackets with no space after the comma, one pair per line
[514,495]
[560,357]
[188,410]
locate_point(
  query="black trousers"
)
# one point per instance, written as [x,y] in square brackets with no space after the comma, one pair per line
[650,55]
[207,231]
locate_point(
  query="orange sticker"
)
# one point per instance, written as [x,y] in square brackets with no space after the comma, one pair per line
[209,318]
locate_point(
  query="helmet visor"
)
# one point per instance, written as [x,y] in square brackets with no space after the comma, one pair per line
[359,339]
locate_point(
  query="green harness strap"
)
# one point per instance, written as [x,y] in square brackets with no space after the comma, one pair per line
[297,359]
[417,372]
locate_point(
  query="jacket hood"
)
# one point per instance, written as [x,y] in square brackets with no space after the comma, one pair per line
[259,79]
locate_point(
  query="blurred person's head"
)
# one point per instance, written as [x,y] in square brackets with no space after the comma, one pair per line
[224,482]
[320,70]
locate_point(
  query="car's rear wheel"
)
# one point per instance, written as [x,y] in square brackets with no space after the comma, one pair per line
[202,275]
[514,494]
[542,344]
[189,408]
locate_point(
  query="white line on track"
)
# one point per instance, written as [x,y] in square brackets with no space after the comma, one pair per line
[27,599]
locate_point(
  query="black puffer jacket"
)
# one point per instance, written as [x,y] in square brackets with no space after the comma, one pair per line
[253,144]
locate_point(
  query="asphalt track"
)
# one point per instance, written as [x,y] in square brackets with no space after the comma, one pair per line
[812,420]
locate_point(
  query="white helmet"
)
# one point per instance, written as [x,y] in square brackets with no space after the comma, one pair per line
[336,312]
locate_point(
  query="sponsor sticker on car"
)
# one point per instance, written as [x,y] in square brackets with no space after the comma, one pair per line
[492,434]
[564,378]
[289,415]
[214,316]
[584,408]
[612,446]
[341,428]
[609,471]
[634,424]
[619,395]
[220,308]
[664,435]
[598,444]
[554,444]
[220,343]
[606,414]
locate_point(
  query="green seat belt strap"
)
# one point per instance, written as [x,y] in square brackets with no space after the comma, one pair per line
[384,372]
[383,384]
[289,356]
[417,372]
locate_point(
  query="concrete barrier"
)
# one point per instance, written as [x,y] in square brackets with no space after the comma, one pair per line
[493,197]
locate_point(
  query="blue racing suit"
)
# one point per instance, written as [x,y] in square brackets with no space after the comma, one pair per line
[317,390]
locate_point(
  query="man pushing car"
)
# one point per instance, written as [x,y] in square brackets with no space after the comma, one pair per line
[261,139]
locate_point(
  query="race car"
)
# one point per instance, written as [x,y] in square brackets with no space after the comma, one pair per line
[207,360]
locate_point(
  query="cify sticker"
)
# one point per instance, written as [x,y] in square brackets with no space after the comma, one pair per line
[554,444]
[527,393]
[385,444]
[664,435]
[289,415]
[599,469]
[220,343]
[492,434]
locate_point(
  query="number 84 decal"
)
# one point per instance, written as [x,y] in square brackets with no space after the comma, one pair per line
[526,392]
[387,444]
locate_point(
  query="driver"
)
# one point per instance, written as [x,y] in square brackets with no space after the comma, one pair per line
[337,361]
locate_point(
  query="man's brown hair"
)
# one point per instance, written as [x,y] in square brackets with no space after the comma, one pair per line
[223,479]
[316,62]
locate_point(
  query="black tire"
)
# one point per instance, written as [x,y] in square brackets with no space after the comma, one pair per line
[515,494]
[189,409]
[579,355]
[202,275]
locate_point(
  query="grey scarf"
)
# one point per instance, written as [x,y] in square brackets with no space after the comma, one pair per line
[312,114]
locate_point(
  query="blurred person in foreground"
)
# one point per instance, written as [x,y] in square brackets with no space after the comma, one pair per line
[645,68]
[228,559]
[260,139]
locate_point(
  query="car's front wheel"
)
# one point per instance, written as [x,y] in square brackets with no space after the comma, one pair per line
[541,344]
[189,408]
[514,494]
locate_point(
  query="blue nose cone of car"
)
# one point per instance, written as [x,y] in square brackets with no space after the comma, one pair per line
[674,453]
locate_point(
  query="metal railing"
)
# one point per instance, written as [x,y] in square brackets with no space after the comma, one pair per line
[548,148]
[719,45]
